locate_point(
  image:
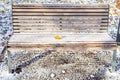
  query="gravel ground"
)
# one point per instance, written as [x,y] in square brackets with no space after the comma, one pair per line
[62,65]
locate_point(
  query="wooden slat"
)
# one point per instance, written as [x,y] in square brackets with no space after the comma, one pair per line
[76,31]
[49,38]
[67,24]
[60,17]
[58,21]
[18,27]
[87,44]
[59,6]
[61,14]
[77,47]
[62,30]
[58,10]
[83,25]
[57,28]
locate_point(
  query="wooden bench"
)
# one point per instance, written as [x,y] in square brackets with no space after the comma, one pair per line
[37,25]
[78,25]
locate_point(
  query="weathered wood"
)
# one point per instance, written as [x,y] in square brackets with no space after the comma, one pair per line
[59,6]
[25,20]
[81,26]
[49,38]
[114,60]
[66,30]
[75,46]
[61,17]
[67,24]
[39,19]
[2,52]
[60,14]
[9,61]
[58,10]
[55,27]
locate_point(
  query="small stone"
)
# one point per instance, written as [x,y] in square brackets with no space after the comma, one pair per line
[52,75]
[66,79]
[110,69]
[63,71]
[52,57]
[92,76]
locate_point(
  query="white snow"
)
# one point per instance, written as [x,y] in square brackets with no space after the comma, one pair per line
[4,75]
[112,75]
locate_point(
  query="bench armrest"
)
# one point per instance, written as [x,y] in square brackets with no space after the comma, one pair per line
[118,34]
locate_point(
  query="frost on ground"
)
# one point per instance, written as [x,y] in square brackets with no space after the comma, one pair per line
[61,65]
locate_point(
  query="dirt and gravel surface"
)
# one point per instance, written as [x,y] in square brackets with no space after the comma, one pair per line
[62,65]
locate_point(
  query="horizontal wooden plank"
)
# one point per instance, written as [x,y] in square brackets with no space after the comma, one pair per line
[62,26]
[65,30]
[44,26]
[73,38]
[67,24]
[63,47]
[58,28]
[61,6]
[59,31]
[58,10]
[75,46]
[60,14]
[59,21]
[60,17]
[81,30]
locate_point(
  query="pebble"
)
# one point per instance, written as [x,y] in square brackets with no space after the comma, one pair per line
[66,79]
[110,69]
[92,76]
[52,75]
[63,71]
[52,57]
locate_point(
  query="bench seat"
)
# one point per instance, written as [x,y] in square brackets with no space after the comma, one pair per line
[32,39]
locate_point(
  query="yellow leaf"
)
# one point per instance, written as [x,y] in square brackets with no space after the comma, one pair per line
[58,37]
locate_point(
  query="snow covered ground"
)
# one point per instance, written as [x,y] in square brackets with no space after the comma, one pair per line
[36,69]
[62,65]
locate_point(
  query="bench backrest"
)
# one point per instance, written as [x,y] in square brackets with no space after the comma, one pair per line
[33,18]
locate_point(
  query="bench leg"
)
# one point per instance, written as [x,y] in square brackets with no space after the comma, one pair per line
[114,60]
[9,61]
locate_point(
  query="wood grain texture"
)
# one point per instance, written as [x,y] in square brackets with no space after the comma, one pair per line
[80,18]
[79,25]
[2,52]
[59,6]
